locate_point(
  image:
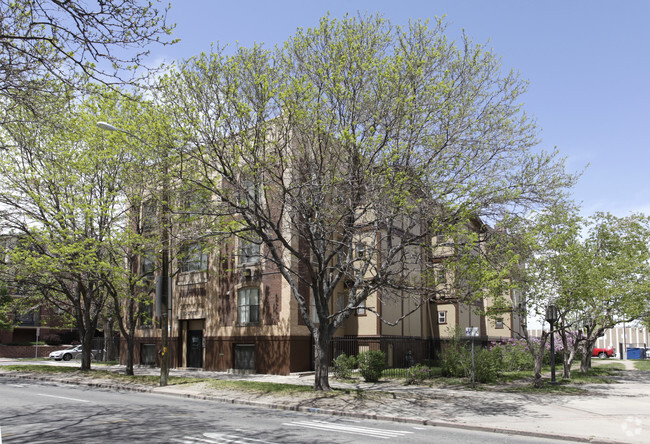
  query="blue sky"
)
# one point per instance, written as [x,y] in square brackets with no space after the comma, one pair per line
[588,64]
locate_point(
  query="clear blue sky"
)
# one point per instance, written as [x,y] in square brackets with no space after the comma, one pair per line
[588,64]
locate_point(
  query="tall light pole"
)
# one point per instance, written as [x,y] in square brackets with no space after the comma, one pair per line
[551,318]
[164,262]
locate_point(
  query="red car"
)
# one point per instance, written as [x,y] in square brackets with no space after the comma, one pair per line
[603,352]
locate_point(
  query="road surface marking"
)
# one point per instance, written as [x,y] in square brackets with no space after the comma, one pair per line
[218,438]
[324,425]
[63,397]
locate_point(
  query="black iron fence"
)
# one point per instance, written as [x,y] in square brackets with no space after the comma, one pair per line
[106,349]
[401,352]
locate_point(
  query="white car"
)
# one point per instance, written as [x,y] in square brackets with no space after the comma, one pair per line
[71,352]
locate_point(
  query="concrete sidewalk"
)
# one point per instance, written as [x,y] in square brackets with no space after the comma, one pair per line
[618,412]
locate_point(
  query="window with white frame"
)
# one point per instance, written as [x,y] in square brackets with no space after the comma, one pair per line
[442,317]
[361,308]
[361,249]
[248,301]
[313,312]
[498,323]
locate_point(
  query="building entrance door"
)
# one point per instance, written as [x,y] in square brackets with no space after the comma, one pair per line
[195,348]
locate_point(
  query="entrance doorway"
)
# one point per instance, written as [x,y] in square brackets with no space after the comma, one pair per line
[195,348]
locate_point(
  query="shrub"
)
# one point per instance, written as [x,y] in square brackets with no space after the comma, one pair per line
[455,360]
[514,355]
[343,366]
[487,365]
[371,363]
[52,339]
[418,373]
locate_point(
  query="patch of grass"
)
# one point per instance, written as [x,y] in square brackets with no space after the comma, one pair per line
[597,375]
[269,388]
[642,365]
[563,387]
[40,368]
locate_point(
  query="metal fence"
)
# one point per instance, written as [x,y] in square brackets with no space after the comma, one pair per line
[401,352]
[106,349]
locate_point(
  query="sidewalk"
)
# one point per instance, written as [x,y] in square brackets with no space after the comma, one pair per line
[618,412]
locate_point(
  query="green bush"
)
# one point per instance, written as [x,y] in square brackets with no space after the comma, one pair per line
[343,366]
[418,374]
[455,360]
[487,364]
[371,363]
[53,339]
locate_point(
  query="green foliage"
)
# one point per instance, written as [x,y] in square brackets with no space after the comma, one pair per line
[488,365]
[343,366]
[371,364]
[5,307]
[418,374]
[513,355]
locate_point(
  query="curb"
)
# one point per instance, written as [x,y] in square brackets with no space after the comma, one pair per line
[314,410]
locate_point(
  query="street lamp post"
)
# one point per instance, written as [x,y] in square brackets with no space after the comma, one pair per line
[551,318]
[164,287]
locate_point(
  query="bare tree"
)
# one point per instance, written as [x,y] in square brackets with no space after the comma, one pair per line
[46,43]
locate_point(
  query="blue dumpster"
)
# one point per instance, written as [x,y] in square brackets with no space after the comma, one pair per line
[634,353]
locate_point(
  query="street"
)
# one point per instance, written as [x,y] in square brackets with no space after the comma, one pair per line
[44,412]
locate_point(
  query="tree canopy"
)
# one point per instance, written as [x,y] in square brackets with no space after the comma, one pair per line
[44,44]
[344,150]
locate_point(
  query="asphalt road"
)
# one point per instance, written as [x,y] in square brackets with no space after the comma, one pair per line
[43,412]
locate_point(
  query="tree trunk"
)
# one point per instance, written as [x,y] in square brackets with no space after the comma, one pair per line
[129,356]
[321,362]
[567,361]
[585,360]
[87,342]
[539,362]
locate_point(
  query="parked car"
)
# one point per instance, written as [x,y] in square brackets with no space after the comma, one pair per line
[72,352]
[603,352]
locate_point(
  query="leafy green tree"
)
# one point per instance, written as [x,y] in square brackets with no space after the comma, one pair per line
[70,196]
[604,280]
[593,270]
[345,149]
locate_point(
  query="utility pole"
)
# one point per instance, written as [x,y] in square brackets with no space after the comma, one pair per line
[164,257]
[164,315]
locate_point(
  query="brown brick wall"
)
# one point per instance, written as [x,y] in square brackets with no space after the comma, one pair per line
[27,351]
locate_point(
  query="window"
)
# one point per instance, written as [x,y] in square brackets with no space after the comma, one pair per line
[498,323]
[148,265]
[250,193]
[340,302]
[361,249]
[148,219]
[145,312]
[193,258]
[313,311]
[245,357]
[148,354]
[441,276]
[250,252]
[248,302]
[361,308]
[442,317]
